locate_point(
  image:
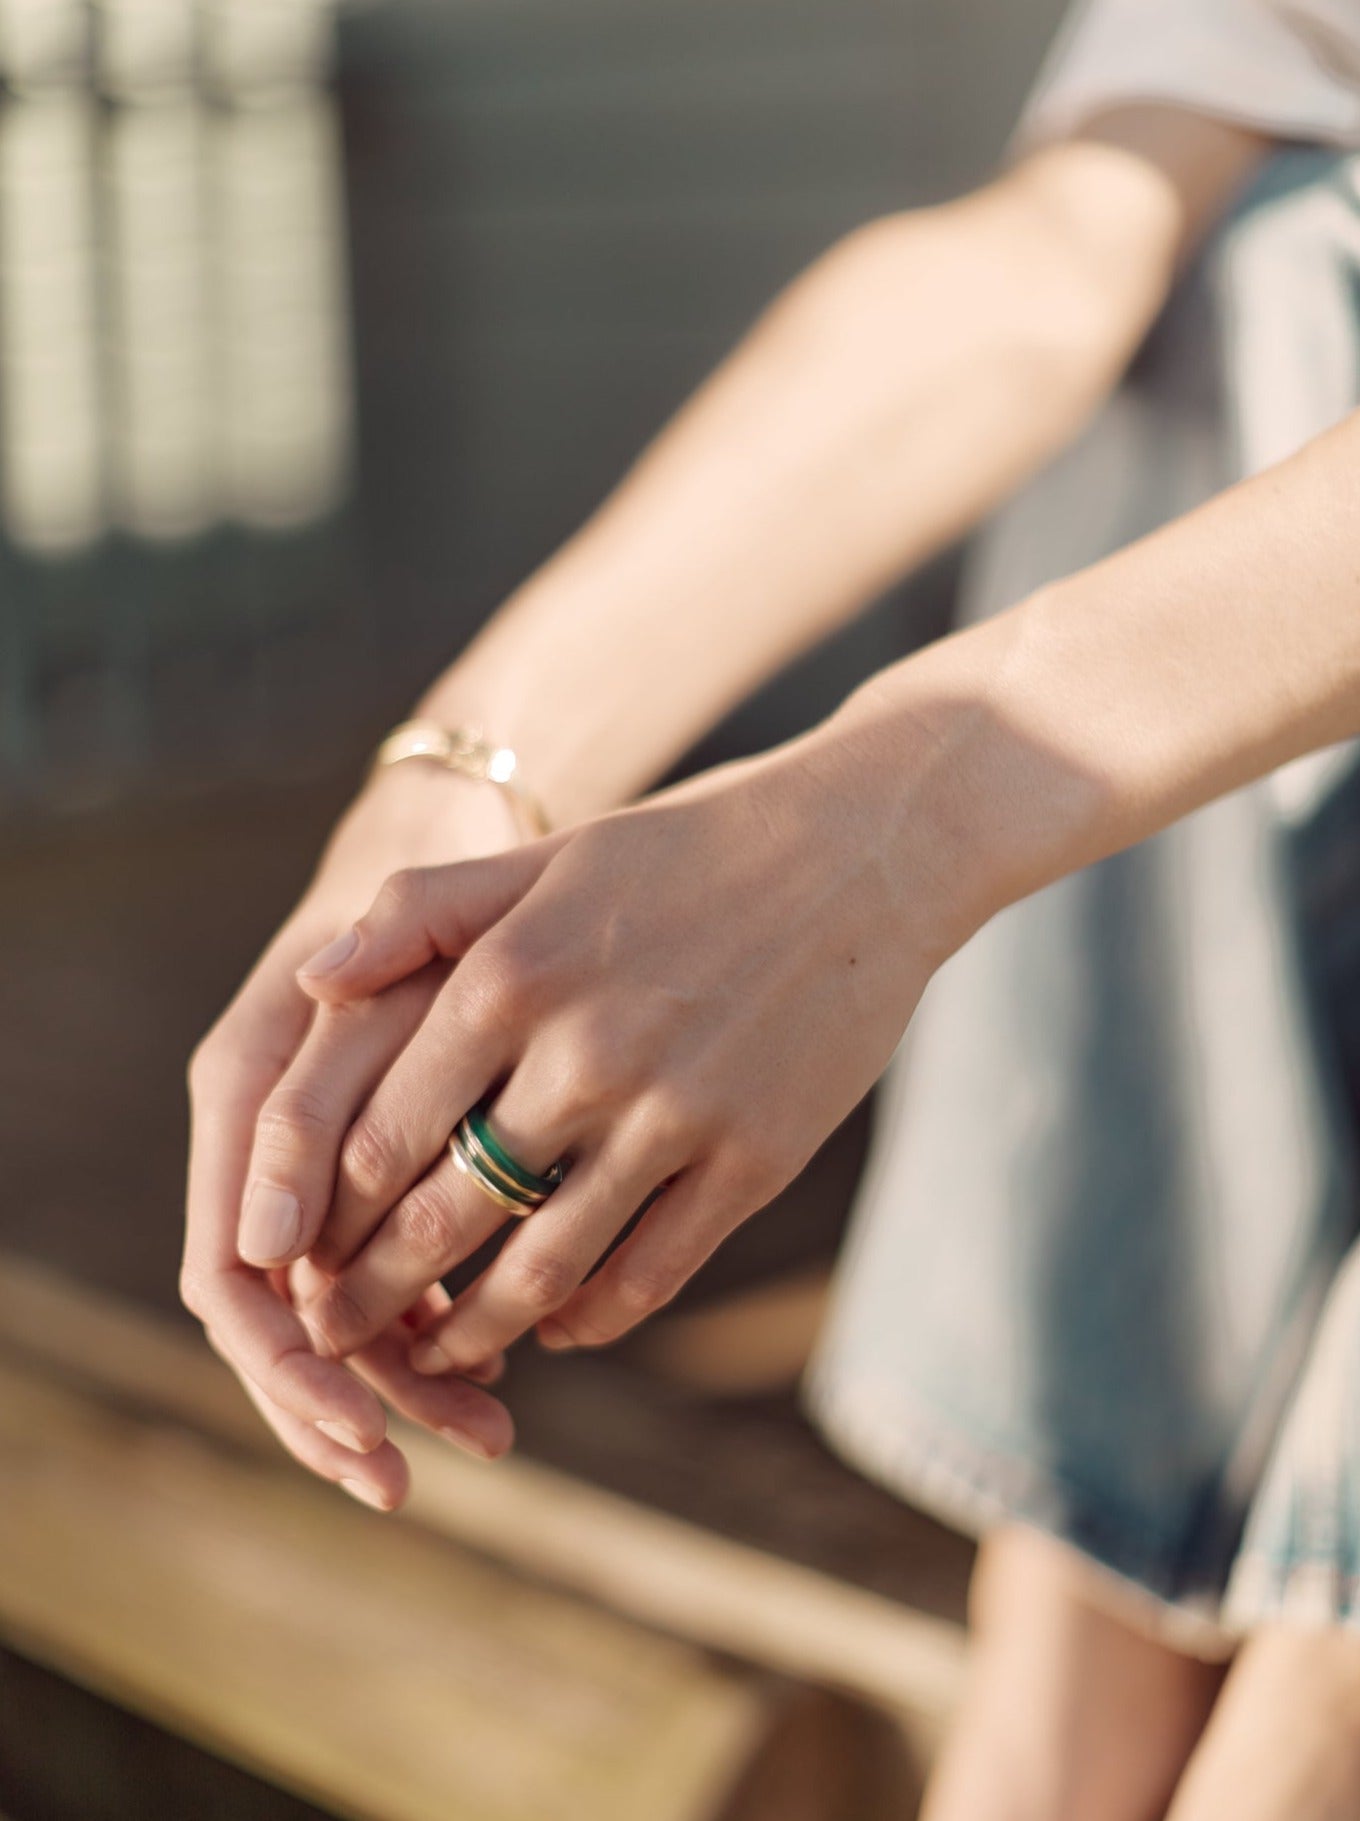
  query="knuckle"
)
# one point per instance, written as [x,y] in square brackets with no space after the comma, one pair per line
[428,1225]
[754,1170]
[597,1070]
[483,1000]
[233,1061]
[674,1117]
[291,1118]
[640,1290]
[538,1280]
[577,1099]
[507,979]
[595,1076]
[519,954]
[401,891]
[367,1160]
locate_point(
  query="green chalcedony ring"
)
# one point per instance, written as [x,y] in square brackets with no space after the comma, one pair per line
[472,1164]
[469,1151]
[537,1188]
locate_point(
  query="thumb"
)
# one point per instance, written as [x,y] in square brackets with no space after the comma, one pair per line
[421,915]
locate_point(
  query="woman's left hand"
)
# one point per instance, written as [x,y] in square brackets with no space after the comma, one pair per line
[680,1000]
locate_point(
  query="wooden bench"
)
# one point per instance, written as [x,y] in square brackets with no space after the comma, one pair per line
[520,1646]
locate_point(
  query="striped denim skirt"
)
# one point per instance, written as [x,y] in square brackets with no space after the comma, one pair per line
[1103,1274]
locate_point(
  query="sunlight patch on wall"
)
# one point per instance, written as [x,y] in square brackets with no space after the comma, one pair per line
[174,323]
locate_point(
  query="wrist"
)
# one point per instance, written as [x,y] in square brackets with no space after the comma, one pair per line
[970,781]
[427,809]
[505,706]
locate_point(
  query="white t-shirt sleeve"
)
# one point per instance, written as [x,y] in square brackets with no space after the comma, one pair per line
[1287,67]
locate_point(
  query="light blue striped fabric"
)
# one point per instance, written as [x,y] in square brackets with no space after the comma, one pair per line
[1100,1275]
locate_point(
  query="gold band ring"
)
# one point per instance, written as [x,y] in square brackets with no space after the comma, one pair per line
[470,1142]
[487,1184]
[497,1172]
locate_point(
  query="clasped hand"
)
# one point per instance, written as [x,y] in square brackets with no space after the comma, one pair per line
[678,1001]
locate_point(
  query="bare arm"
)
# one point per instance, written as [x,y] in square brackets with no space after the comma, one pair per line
[1115,701]
[901,388]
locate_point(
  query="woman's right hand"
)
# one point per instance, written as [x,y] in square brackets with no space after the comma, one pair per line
[329,1415]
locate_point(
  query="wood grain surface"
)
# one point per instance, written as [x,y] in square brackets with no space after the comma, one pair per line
[668,1573]
[154,1546]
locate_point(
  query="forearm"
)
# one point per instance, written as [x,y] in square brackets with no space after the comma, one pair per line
[1114,702]
[893,395]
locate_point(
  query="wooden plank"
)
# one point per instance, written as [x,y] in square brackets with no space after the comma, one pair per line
[363,1664]
[671,1574]
[693,1585]
[755,1340]
[751,1469]
[68,1753]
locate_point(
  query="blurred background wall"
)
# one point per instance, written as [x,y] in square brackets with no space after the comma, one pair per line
[318,328]
[319,331]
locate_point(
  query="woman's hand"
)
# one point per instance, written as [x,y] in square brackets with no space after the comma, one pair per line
[681,1000]
[329,1416]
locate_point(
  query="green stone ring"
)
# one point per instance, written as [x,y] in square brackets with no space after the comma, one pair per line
[504,1178]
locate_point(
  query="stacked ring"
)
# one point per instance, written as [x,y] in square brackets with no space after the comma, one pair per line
[478,1153]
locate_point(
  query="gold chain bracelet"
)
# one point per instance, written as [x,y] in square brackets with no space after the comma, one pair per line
[468,752]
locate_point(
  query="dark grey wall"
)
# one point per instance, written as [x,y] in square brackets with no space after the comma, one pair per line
[561,213]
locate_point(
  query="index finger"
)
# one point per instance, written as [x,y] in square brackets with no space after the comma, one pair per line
[257,1329]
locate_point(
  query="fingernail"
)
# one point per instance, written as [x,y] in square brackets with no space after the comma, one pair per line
[334,955]
[429,1356]
[474,1444]
[554,1336]
[359,1489]
[270,1225]
[342,1433]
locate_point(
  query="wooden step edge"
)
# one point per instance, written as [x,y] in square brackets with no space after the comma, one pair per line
[748,1343]
[642,1563]
[374,1669]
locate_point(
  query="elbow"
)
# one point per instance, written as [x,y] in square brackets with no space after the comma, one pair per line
[974,284]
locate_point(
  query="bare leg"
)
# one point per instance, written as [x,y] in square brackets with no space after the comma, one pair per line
[1070,1714]
[1284,1742]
